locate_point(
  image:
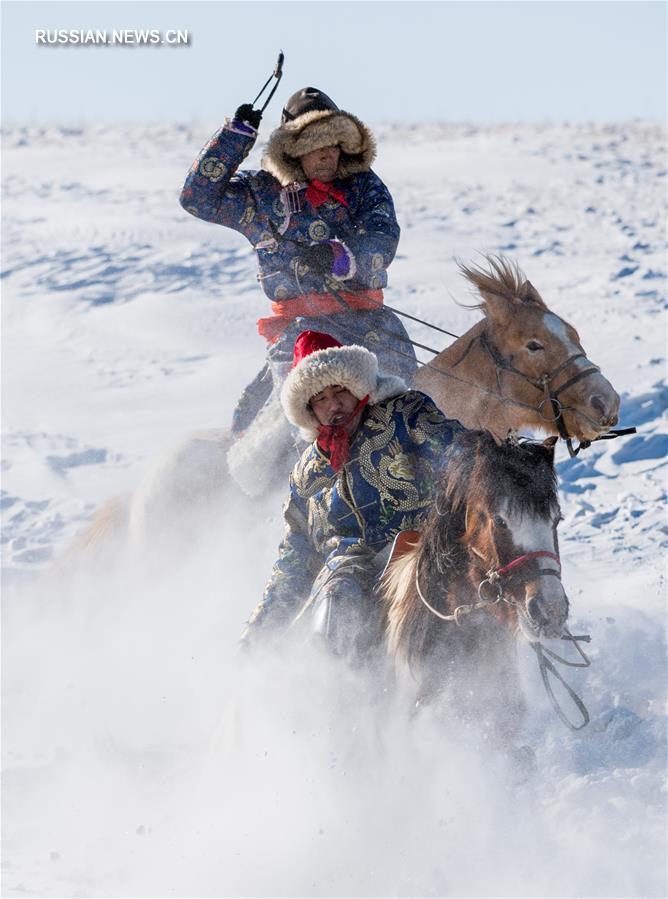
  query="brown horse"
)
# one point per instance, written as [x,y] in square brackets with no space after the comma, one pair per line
[499,375]
[486,565]
[521,367]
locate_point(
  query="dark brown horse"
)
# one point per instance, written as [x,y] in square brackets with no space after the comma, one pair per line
[486,565]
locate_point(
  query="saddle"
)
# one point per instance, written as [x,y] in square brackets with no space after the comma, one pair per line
[404,541]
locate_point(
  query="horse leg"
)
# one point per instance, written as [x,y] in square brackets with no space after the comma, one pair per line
[473,676]
[509,710]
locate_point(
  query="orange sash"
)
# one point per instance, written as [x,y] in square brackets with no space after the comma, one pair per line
[313,304]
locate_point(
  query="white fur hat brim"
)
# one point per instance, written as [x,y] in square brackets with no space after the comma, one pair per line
[313,130]
[353,367]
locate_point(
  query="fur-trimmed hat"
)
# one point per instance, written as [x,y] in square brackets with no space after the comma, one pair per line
[312,120]
[320,361]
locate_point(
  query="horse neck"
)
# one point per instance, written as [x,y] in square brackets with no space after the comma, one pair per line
[472,363]
[442,645]
[413,630]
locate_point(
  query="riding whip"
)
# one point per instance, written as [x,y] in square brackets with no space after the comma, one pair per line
[277,74]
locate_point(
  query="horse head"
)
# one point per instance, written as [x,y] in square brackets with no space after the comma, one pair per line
[491,535]
[485,566]
[511,519]
[539,357]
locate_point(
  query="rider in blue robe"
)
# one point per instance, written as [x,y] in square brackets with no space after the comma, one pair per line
[316,227]
[350,493]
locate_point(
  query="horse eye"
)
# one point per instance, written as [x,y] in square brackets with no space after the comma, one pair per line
[534,346]
[500,522]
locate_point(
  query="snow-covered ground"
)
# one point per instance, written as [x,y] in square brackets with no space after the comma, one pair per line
[140,757]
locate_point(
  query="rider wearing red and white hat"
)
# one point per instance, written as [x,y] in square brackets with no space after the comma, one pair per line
[368,473]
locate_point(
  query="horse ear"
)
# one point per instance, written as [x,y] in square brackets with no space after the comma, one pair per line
[497,309]
[550,444]
[529,294]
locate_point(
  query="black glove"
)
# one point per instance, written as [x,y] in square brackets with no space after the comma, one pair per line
[246,113]
[319,258]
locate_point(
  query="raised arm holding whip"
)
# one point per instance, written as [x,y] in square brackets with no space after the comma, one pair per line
[319,220]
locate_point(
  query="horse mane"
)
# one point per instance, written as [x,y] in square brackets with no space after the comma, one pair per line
[405,629]
[504,279]
[478,473]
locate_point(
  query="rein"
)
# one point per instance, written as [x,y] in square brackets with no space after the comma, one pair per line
[543,384]
[505,400]
[545,666]
[544,656]
[500,362]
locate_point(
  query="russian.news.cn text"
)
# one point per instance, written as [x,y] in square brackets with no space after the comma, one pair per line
[127,37]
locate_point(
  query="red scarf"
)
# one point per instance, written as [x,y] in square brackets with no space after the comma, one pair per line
[318,192]
[335,439]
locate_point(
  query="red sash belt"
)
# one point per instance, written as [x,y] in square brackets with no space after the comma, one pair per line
[313,304]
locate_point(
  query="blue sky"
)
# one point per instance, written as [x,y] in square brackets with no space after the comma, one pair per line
[402,61]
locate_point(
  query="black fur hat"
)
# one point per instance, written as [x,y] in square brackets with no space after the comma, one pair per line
[307,99]
[311,120]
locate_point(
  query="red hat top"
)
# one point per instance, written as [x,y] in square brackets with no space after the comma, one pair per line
[320,361]
[310,342]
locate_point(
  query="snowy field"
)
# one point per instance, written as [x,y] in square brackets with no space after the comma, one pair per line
[141,757]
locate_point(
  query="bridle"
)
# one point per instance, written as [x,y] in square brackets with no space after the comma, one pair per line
[495,578]
[544,384]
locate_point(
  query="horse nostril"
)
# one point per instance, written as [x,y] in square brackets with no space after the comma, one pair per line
[606,411]
[533,608]
[598,404]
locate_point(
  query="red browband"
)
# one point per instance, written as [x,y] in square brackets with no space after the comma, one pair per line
[527,558]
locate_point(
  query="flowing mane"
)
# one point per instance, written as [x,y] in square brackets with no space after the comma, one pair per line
[480,477]
[504,279]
